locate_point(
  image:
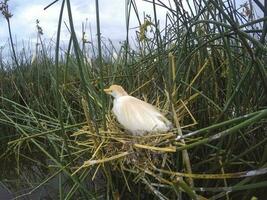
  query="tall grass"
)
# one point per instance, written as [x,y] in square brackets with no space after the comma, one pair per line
[205,69]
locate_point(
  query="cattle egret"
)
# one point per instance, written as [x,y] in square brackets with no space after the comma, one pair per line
[135,115]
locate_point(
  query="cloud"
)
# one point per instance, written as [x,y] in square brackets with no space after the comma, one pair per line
[112,18]
[25,13]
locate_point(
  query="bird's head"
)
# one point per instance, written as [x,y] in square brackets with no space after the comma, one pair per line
[115,91]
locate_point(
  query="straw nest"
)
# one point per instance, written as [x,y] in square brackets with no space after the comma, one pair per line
[120,148]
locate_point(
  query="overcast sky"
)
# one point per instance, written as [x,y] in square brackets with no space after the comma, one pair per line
[112,17]
[25,13]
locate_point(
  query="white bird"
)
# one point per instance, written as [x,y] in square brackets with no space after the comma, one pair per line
[135,115]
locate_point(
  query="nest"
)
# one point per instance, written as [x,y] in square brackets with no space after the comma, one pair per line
[121,148]
[140,155]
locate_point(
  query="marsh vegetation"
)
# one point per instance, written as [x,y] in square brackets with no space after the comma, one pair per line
[205,70]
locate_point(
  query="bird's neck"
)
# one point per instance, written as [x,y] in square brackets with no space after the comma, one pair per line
[120,95]
[117,97]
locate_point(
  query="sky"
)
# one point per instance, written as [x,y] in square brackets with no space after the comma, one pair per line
[112,19]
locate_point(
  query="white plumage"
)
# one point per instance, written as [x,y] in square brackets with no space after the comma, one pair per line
[135,115]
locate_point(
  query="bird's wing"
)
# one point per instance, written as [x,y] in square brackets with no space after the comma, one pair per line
[149,108]
[137,114]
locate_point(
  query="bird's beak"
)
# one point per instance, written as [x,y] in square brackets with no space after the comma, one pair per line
[108,90]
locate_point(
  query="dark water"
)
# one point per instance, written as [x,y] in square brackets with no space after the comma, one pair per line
[4,193]
[25,191]
[33,182]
